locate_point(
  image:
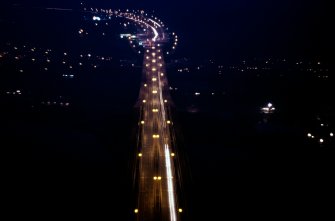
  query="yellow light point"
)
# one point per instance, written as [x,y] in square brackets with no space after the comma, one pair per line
[155,136]
[172,154]
[142,122]
[135,210]
[140,154]
[145,85]
[155,110]
[153,54]
[154,92]
[154,69]
[169,122]
[154,79]
[155,178]
[144,101]
[153,60]
[180,210]
[159,178]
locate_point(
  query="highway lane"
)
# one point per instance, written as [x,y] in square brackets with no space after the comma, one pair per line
[157,195]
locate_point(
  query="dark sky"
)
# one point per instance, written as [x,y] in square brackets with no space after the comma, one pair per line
[224,28]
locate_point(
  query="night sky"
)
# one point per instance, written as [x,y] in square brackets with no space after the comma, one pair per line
[239,28]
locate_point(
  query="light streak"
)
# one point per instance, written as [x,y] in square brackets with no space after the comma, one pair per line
[59,9]
[154,22]
[153,28]
[170,184]
[161,101]
[155,32]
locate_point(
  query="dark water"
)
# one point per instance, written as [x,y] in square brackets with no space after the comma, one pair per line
[77,161]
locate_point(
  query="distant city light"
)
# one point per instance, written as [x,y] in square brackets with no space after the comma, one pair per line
[96,18]
[268,109]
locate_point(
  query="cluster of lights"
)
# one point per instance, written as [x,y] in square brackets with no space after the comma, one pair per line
[268,109]
[68,75]
[321,140]
[17,92]
[66,104]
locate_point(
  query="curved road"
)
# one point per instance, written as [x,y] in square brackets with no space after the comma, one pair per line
[157,198]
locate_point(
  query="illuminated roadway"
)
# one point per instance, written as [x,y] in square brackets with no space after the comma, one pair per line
[156,173]
[157,195]
[157,198]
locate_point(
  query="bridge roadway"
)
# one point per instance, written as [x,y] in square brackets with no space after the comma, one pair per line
[157,195]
